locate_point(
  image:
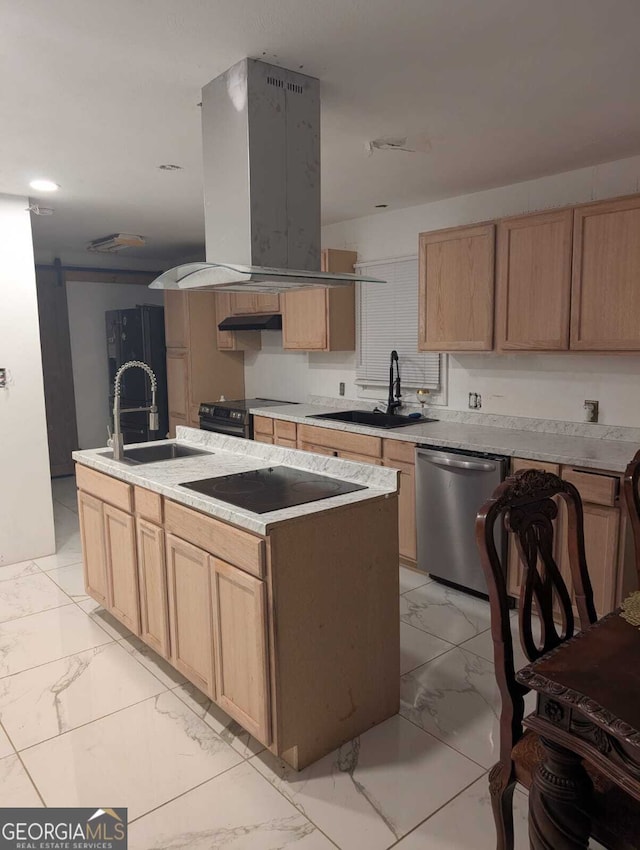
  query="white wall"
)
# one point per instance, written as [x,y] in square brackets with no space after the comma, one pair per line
[546,386]
[26,509]
[87,304]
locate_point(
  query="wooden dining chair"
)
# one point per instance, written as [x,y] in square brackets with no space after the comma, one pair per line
[527,505]
[631,489]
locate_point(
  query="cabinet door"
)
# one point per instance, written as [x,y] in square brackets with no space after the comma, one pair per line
[268,302]
[190,612]
[175,319]
[514,569]
[122,567]
[178,383]
[318,450]
[240,639]
[605,296]
[406,509]
[534,282]
[94,561]
[242,303]
[304,320]
[456,289]
[152,575]
[601,533]
[226,339]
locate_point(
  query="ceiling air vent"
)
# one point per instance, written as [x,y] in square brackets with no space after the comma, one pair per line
[116,242]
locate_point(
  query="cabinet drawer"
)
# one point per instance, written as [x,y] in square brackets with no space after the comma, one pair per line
[105,487]
[594,487]
[262,425]
[358,458]
[318,450]
[285,430]
[148,504]
[231,544]
[340,440]
[399,450]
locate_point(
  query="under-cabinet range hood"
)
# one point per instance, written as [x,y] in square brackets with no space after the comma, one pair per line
[259,322]
[261,151]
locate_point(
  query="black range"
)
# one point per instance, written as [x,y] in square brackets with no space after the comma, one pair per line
[272,488]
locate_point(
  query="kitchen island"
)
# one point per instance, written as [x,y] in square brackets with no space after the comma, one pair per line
[287,619]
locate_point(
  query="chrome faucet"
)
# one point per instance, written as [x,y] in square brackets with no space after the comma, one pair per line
[116,442]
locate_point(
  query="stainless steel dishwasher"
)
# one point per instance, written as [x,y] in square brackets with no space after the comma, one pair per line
[451,485]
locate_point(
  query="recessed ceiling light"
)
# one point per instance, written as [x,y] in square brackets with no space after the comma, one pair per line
[170,167]
[42,185]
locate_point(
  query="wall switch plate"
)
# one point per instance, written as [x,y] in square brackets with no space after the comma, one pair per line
[474,401]
[3,379]
[341,386]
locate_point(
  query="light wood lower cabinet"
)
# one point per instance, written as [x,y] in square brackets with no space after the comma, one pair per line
[152,576]
[94,562]
[190,613]
[241,653]
[122,567]
[267,627]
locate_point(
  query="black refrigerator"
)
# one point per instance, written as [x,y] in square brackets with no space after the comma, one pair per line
[138,334]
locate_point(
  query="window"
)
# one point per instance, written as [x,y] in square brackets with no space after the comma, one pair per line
[387,320]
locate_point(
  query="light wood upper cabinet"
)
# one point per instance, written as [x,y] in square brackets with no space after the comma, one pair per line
[605,309]
[534,282]
[152,576]
[122,567]
[190,612]
[178,382]
[456,289]
[250,303]
[240,639]
[322,319]
[94,560]
[176,325]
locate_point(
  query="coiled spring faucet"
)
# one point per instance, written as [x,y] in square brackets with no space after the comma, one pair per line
[116,442]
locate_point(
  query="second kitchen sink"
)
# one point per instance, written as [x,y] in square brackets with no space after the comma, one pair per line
[370,418]
[162,451]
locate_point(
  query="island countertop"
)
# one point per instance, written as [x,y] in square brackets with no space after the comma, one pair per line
[570,450]
[230,455]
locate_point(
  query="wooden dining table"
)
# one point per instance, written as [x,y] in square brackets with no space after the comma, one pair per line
[588,707]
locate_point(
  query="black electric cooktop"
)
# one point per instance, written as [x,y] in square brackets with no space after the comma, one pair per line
[271,489]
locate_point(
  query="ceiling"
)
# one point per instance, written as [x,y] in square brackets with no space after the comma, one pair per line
[97,95]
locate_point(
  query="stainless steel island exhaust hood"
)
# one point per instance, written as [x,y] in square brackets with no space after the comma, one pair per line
[261,151]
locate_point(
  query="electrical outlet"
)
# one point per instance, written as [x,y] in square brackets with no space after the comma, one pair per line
[3,379]
[473,401]
[591,410]
[341,386]
[478,401]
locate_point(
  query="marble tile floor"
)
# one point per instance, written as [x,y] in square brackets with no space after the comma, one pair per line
[89,715]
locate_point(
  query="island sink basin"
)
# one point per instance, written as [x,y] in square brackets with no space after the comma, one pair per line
[153,454]
[371,419]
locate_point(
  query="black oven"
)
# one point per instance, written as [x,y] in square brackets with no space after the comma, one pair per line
[232,417]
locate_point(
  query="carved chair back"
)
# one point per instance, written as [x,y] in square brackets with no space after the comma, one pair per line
[527,505]
[632,501]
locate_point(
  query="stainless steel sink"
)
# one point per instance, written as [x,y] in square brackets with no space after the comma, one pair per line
[370,418]
[153,454]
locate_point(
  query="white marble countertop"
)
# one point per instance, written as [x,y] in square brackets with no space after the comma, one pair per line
[227,455]
[589,452]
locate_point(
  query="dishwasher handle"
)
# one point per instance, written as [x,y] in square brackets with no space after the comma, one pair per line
[444,460]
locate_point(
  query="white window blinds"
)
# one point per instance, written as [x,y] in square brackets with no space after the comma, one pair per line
[387,320]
